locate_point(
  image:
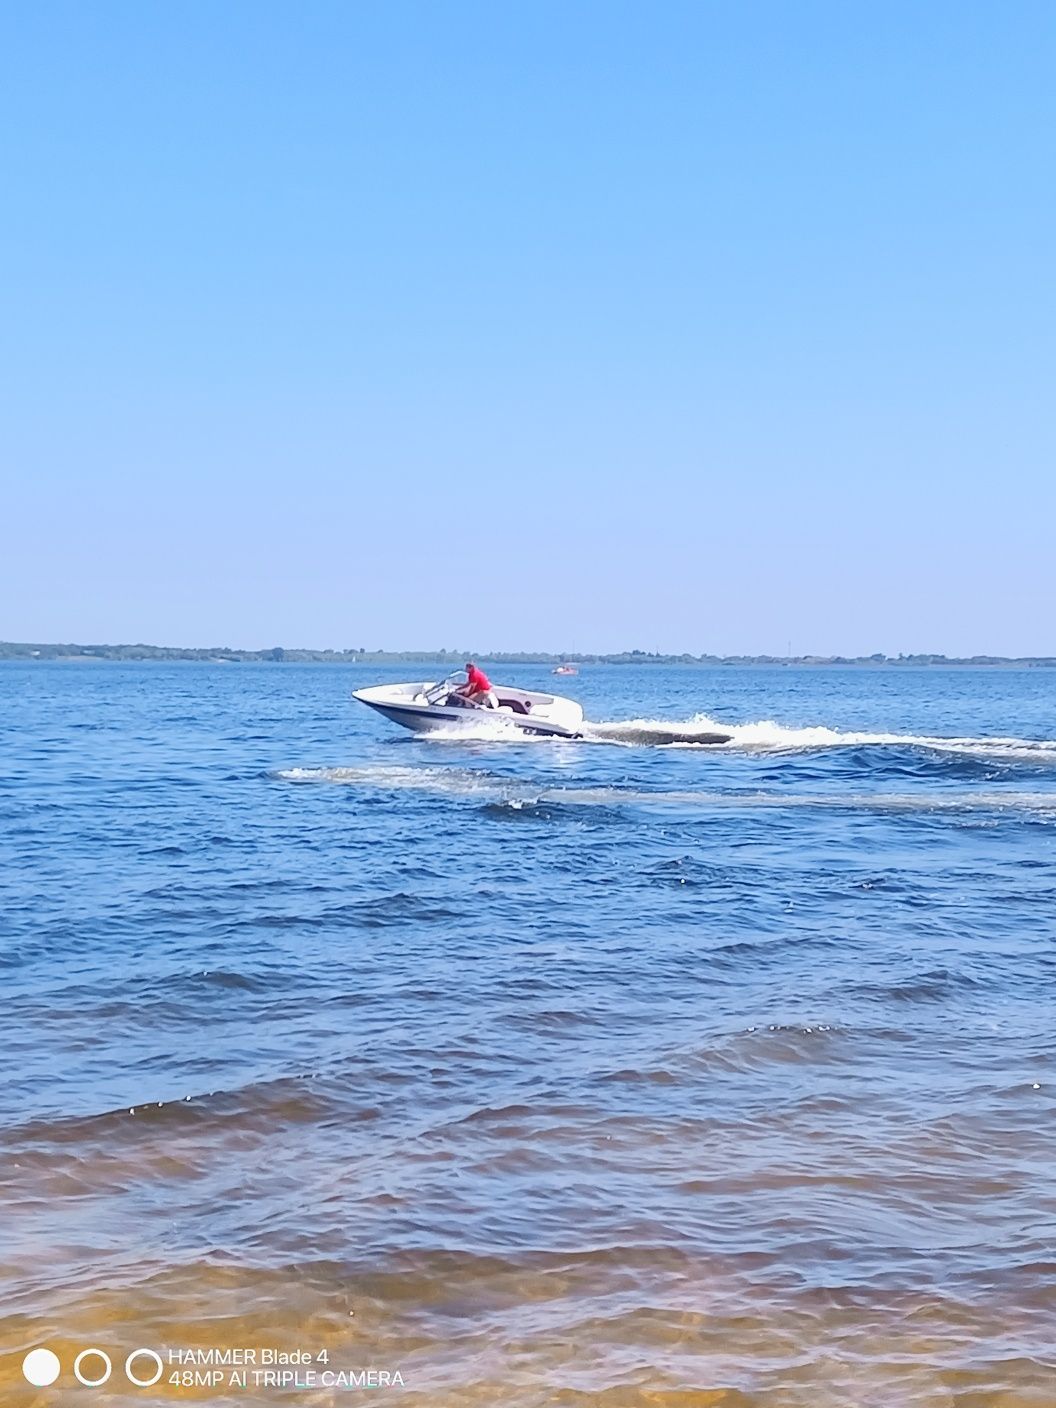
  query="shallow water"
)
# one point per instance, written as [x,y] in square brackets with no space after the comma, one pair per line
[534,1072]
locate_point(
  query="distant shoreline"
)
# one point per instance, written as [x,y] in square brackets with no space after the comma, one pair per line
[12,650]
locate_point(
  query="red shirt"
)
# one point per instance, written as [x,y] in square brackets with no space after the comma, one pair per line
[477,680]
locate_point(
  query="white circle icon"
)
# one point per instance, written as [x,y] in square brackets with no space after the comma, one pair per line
[144,1354]
[83,1378]
[41,1367]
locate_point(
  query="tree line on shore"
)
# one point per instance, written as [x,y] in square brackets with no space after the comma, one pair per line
[453,659]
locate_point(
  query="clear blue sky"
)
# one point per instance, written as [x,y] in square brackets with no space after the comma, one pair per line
[677,326]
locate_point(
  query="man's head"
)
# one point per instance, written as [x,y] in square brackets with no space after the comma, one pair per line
[470,666]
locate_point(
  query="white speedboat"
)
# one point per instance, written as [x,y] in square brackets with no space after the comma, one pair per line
[435,705]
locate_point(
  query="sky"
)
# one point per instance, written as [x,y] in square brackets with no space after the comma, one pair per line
[549,326]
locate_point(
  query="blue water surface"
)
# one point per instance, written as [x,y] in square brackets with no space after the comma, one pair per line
[717,1063]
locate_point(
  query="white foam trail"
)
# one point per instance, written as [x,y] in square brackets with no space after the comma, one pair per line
[767,735]
[467,782]
[452,781]
[489,728]
[1043,803]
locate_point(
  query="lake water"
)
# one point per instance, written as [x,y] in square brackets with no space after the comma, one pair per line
[532,1072]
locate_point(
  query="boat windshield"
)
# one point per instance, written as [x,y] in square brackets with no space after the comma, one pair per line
[437,693]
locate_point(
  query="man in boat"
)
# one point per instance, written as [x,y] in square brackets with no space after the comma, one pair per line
[477,690]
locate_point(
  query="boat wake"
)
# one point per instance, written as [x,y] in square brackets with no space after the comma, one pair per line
[768,736]
[761,736]
[660,733]
[525,796]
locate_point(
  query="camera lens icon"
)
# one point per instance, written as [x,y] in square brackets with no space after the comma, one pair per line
[93,1367]
[152,1357]
[99,1367]
[41,1367]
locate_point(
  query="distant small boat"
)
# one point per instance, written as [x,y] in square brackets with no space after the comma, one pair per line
[564,670]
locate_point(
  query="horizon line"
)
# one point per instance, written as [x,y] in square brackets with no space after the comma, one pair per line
[293,654]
